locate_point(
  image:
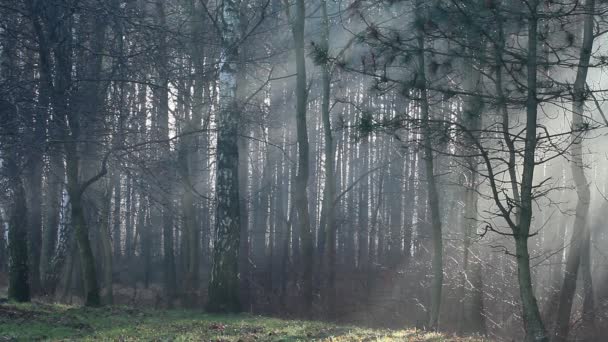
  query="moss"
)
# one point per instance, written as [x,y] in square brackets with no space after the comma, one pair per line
[25,322]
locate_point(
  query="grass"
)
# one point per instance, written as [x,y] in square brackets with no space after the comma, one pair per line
[27,322]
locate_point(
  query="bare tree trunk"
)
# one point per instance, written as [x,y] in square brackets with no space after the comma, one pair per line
[17,211]
[472,316]
[328,216]
[19,286]
[143,229]
[395,207]
[580,232]
[129,219]
[33,190]
[244,246]
[116,233]
[261,224]
[436,287]
[170,283]
[106,244]
[54,192]
[224,284]
[3,242]
[533,324]
[191,164]
[301,181]
[364,234]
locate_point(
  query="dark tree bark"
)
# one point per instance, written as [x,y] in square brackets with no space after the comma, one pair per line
[301,181]
[162,117]
[58,42]
[19,282]
[534,326]
[435,213]
[12,168]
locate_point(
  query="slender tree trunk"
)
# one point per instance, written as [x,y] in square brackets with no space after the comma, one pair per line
[472,317]
[244,246]
[116,233]
[53,195]
[301,181]
[193,163]
[129,219]
[106,244]
[436,287]
[33,189]
[395,207]
[364,234]
[533,324]
[580,231]
[589,323]
[328,216]
[3,245]
[261,223]
[143,229]
[170,281]
[410,207]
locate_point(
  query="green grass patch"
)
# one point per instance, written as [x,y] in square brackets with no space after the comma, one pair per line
[27,322]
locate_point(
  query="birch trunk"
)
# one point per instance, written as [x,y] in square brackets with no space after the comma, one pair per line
[224,283]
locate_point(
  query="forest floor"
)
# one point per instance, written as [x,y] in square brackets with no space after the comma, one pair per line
[39,321]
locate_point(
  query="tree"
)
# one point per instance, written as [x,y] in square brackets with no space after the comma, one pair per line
[297,21]
[580,234]
[162,117]
[12,169]
[224,283]
[427,141]
[328,215]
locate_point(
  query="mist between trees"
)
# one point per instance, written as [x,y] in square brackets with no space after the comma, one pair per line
[438,164]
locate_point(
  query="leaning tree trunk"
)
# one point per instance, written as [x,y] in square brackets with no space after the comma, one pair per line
[81,231]
[580,231]
[224,283]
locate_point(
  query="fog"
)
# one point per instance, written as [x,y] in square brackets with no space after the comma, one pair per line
[436,165]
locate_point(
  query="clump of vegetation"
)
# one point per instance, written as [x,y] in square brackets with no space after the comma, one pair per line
[59,322]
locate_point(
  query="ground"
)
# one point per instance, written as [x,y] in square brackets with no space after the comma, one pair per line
[58,322]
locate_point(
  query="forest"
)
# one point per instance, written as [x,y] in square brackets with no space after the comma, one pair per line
[439,165]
